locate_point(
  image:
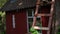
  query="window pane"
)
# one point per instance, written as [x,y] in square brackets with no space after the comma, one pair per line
[29,13]
[30,20]
[38,23]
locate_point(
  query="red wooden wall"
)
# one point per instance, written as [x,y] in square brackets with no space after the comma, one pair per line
[20,22]
[45,19]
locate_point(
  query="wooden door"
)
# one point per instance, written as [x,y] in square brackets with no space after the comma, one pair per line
[20,25]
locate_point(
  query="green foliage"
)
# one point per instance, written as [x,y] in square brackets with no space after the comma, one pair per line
[2,18]
[2,32]
[2,2]
[2,22]
[33,31]
[58,32]
[59,29]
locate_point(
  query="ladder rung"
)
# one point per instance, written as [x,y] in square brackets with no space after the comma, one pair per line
[50,2]
[44,14]
[41,28]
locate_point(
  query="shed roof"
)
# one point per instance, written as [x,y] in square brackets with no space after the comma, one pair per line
[18,4]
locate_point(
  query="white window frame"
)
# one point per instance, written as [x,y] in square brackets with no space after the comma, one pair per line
[30,17]
[27,20]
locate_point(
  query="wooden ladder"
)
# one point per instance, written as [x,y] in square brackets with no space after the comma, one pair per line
[50,16]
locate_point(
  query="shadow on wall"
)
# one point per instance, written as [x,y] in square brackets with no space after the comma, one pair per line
[57,7]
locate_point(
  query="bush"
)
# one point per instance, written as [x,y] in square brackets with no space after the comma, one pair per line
[2,22]
[33,31]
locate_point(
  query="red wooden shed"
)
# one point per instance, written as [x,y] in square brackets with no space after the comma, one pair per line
[18,14]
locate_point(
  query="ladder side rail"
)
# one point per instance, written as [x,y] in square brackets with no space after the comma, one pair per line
[36,12]
[50,18]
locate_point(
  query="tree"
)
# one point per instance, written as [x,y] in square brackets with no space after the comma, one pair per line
[2,17]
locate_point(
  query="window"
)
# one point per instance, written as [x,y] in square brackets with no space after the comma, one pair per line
[30,15]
